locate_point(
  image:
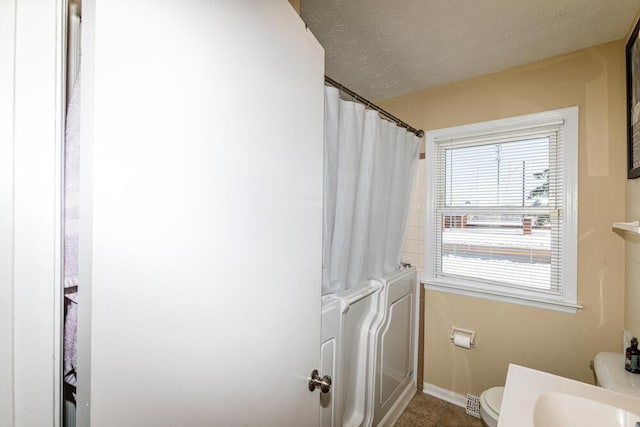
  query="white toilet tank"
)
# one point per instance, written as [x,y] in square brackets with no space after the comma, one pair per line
[609,369]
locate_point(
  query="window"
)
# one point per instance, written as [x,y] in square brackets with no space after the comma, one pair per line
[501,219]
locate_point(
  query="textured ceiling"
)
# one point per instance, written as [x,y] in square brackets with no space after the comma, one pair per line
[385,48]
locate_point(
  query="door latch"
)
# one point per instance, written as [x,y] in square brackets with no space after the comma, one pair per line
[315,381]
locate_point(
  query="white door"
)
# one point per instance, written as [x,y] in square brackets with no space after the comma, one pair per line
[201,226]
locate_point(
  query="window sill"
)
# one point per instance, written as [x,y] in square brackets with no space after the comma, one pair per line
[556,305]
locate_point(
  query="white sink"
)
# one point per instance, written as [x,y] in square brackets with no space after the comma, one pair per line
[567,410]
[538,399]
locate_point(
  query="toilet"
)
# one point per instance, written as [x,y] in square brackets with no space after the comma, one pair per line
[610,374]
[490,402]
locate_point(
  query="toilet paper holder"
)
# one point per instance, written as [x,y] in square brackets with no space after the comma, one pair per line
[465,332]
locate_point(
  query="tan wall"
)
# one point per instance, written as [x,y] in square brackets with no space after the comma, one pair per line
[552,341]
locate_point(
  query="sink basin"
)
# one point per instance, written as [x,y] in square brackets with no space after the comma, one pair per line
[567,410]
[539,399]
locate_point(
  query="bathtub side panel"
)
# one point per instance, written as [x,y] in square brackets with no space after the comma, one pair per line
[395,355]
[330,349]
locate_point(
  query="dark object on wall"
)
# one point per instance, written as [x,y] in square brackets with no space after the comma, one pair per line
[632,356]
[633,104]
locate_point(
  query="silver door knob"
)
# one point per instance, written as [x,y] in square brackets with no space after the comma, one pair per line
[315,381]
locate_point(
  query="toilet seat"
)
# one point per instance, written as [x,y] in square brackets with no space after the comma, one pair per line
[490,403]
[493,399]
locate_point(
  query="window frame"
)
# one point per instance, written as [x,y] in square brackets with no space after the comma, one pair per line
[566,300]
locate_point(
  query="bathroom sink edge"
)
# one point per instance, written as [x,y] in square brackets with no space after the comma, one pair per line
[525,385]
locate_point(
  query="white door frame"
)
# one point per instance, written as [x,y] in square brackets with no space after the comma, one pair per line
[31,141]
[7,45]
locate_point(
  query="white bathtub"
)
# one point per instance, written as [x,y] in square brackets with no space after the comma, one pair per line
[369,337]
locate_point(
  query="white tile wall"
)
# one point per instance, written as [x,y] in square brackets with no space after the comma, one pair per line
[414,243]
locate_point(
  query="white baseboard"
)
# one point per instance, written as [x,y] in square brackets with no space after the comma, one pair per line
[444,394]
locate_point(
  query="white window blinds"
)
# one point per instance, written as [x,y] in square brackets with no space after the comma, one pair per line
[498,209]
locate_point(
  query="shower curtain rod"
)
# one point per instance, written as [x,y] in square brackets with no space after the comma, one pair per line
[418,132]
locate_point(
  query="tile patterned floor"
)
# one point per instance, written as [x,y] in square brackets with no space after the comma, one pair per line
[428,411]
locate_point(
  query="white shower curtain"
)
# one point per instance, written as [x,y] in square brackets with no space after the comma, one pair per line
[369,171]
